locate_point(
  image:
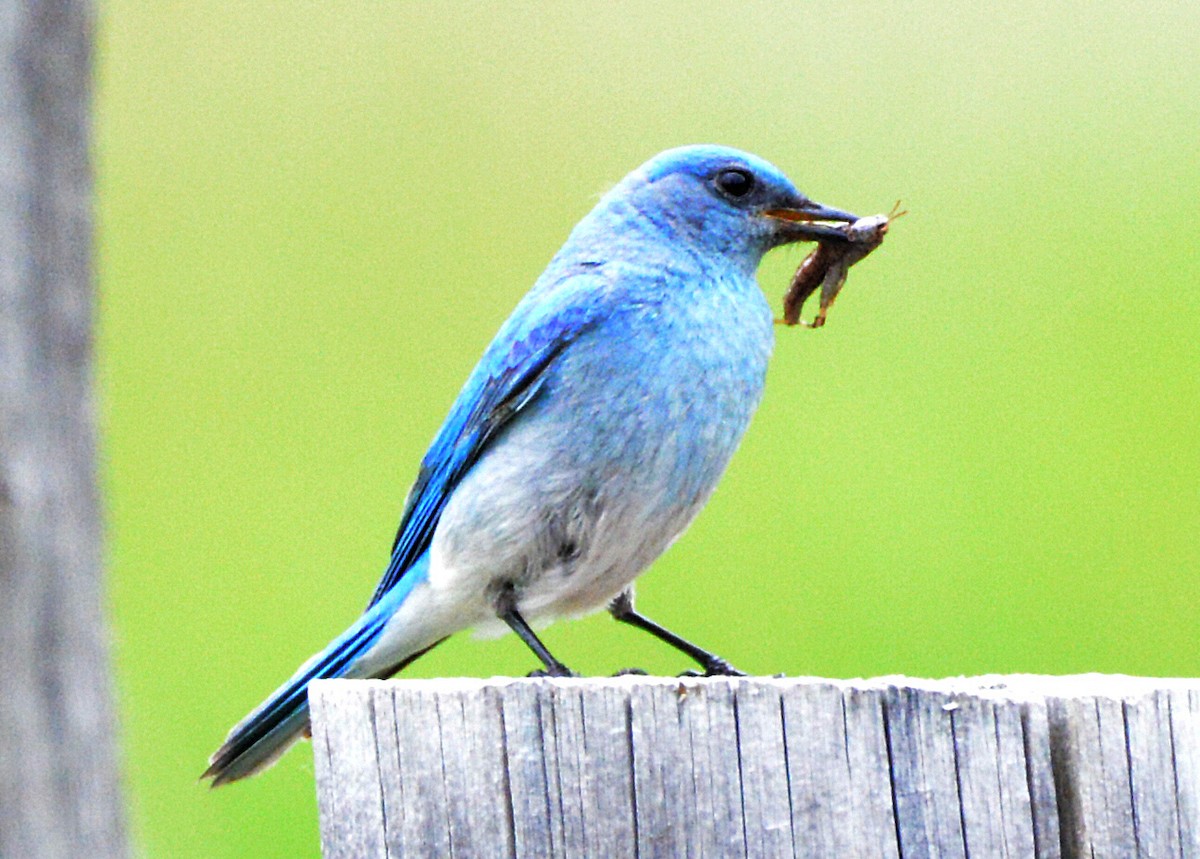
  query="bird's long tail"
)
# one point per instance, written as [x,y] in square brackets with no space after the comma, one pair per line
[258,740]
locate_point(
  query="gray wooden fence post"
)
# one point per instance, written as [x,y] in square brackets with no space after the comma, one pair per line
[59,791]
[636,766]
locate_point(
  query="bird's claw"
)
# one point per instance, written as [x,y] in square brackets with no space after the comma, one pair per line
[556,671]
[626,672]
[718,667]
[714,667]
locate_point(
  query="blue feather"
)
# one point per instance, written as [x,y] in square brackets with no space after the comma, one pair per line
[256,741]
[505,380]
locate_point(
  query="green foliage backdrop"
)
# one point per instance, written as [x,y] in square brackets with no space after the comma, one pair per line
[313,217]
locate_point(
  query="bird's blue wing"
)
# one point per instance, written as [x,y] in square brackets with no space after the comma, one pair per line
[506,379]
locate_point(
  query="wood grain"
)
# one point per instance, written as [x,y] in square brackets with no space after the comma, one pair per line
[759,767]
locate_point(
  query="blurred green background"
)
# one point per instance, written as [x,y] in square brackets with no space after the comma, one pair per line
[314,216]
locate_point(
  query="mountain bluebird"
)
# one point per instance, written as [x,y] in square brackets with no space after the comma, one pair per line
[590,434]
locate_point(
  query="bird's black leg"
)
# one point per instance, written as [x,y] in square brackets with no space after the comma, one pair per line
[622,609]
[507,610]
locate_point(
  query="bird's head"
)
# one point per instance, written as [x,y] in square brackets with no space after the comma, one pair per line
[723,200]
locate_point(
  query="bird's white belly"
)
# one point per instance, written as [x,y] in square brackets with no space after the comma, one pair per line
[623,540]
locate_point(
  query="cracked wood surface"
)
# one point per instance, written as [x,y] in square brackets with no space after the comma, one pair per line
[1016,765]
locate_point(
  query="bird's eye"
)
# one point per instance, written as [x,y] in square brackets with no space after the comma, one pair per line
[735,183]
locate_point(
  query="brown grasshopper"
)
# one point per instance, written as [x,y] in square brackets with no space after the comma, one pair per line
[827,266]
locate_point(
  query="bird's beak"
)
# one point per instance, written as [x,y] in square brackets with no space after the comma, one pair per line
[803,219]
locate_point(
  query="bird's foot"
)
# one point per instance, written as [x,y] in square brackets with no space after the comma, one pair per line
[718,667]
[558,670]
[625,672]
[714,666]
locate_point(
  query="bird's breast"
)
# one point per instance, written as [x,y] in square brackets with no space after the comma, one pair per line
[669,385]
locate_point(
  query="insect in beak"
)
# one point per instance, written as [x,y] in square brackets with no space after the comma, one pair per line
[826,267]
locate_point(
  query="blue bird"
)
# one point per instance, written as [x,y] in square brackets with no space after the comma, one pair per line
[592,431]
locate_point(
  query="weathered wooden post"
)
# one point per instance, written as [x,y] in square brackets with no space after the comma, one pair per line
[636,766]
[59,789]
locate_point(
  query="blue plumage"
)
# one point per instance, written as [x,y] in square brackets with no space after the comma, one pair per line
[266,733]
[502,383]
[593,429]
